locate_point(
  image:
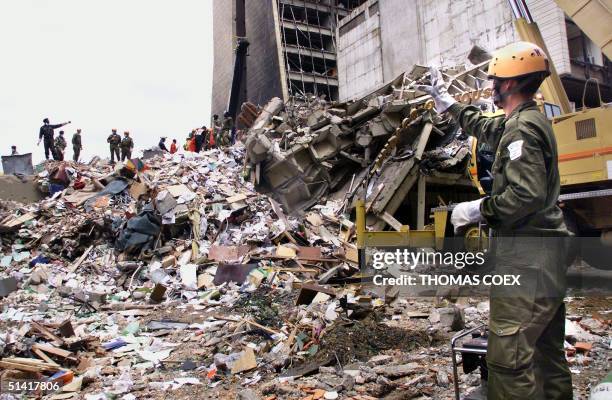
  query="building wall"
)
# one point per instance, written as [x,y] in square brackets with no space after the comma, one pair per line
[359,53]
[450,28]
[551,21]
[400,37]
[263,75]
[223,54]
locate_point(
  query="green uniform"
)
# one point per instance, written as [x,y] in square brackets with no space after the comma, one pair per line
[60,146]
[525,355]
[114,140]
[76,146]
[127,144]
[225,133]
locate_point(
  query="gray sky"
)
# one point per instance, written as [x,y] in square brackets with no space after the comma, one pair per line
[138,65]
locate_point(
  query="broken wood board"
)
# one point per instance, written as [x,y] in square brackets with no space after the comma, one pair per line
[50,349]
[10,224]
[78,262]
[228,253]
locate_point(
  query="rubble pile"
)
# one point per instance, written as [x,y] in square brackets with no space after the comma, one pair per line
[175,274]
[300,154]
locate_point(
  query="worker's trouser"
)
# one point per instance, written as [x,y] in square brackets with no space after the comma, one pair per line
[76,152]
[59,154]
[126,154]
[49,149]
[525,355]
[114,153]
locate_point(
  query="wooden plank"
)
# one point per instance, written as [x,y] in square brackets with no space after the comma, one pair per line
[421,187]
[47,348]
[423,139]
[47,333]
[44,356]
[78,263]
[390,220]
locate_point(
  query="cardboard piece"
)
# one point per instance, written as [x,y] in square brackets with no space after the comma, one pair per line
[227,254]
[309,291]
[233,273]
[246,362]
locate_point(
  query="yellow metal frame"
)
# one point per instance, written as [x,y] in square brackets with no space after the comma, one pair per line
[406,237]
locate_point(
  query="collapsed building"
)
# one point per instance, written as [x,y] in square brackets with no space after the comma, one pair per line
[392,141]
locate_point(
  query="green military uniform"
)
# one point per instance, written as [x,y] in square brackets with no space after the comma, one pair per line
[127,144]
[60,146]
[114,140]
[525,355]
[223,139]
[76,146]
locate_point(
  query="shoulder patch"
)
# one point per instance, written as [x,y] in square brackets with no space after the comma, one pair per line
[515,149]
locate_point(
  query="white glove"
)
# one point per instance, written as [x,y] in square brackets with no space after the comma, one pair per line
[437,91]
[466,213]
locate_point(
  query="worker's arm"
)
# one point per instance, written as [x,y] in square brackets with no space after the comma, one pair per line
[523,170]
[41,133]
[471,120]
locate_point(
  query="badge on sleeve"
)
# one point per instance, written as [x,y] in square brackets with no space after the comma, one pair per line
[515,149]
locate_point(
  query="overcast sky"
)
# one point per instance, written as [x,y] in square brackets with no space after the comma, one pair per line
[138,65]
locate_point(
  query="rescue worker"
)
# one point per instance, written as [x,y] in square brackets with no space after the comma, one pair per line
[226,130]
[204,137]
[114,140]
[14,151]
[162,144]
[76,145]
[525,356]
[173,147]
[60,146]
[127,145]
[216,131]
[46,134]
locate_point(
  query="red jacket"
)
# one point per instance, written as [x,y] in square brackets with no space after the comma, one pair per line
[173,148]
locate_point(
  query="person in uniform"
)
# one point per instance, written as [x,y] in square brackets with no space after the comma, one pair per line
[127,145]
[162,144]
[224,137]
[114,140]
[76,145]
[46,134]
[215,131]
[525,355]
[60,146]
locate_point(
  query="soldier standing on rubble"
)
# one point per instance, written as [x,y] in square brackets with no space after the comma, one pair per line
[127,145]
[216,131]
[114,140]
[226,130]
[60,146]
[76,145]
[46,134]
[525,355]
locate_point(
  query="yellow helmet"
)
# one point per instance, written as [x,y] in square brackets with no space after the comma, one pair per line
[518,60]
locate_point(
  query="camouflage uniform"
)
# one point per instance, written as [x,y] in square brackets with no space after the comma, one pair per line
[223,138]
[127,144]
[114,140]
[60,146]
[525,355]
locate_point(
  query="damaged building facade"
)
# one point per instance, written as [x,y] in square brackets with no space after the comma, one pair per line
[373,41]
[345,50]
[292,48]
